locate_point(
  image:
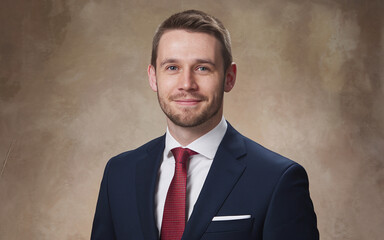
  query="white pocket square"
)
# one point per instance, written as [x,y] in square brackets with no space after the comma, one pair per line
[229,218]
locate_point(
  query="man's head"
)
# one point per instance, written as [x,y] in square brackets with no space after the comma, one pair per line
[190,71]
[195,21]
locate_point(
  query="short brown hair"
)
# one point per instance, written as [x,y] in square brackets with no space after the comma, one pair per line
[195,21]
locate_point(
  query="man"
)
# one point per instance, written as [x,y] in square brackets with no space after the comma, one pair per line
[202,179]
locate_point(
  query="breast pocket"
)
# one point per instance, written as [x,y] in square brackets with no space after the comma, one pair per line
[232,229]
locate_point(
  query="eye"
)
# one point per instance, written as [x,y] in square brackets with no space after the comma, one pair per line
[172,68]
[202,68]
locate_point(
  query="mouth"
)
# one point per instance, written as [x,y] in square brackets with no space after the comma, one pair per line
[187,102]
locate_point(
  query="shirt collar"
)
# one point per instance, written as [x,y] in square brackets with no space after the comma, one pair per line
[205,145]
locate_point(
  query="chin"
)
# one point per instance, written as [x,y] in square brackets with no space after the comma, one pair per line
[188,123]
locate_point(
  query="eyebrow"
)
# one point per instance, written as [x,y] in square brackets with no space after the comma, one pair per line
[199,60]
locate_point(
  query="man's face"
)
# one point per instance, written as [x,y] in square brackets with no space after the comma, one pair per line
[189,78]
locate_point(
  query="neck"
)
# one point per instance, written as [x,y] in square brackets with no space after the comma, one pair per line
[186,135]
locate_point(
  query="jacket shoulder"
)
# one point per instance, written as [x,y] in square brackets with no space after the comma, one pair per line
[259,157]
[134,155]
[266,155]
[253,152]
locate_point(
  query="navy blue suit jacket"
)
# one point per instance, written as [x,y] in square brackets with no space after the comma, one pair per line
[245,179]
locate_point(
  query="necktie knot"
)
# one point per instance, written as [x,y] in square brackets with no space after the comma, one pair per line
[182,154]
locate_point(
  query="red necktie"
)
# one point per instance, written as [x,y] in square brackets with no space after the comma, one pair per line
[174,216]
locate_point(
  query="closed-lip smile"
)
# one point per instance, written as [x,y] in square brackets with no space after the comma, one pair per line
[187,102]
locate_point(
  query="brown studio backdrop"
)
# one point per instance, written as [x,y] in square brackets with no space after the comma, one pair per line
[74,92]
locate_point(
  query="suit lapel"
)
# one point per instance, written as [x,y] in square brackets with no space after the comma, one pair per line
[146,180]
[225,172]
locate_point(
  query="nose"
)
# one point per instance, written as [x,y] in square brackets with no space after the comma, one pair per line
[187,81]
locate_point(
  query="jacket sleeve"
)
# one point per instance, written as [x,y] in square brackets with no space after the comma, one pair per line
[291,215]
[102,228]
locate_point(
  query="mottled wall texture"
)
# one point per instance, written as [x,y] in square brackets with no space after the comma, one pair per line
[74,92]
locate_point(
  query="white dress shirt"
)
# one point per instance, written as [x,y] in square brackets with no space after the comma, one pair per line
[206,146]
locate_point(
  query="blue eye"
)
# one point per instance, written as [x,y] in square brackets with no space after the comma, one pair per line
[202,68]
[172,68]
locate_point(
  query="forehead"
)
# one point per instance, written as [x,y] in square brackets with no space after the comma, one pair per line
[186,45]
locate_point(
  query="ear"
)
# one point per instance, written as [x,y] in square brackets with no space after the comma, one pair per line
[152,77]
[230,77]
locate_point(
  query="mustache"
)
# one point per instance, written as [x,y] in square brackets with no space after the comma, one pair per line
[180,96]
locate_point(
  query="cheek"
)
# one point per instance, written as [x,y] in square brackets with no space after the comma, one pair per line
[165,88]
[216,87]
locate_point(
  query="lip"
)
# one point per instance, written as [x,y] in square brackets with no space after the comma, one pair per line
[187,102]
